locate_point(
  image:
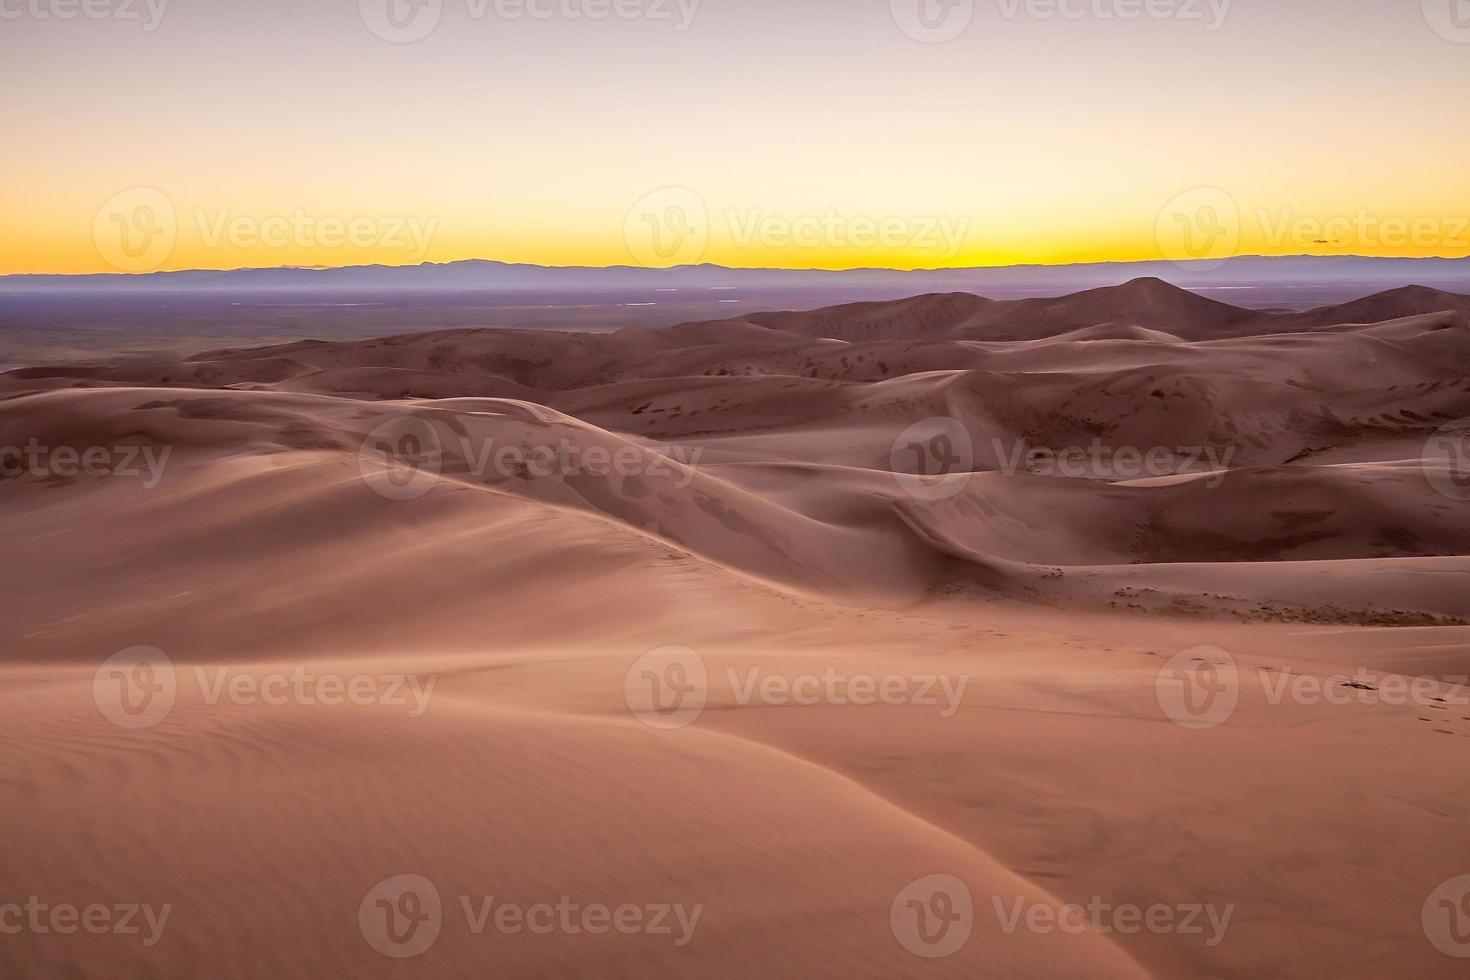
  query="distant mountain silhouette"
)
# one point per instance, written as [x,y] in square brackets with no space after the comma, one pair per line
[485,275]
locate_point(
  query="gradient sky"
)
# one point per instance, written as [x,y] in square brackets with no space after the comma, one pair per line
[1324,126]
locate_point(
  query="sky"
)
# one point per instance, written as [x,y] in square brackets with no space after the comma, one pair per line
[142,135]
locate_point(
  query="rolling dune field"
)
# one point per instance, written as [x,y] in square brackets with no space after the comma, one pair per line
[1118,634]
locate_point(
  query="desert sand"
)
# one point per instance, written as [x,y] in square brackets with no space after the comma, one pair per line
[872,633]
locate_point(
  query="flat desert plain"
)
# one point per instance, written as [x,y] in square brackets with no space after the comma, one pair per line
[1121,634]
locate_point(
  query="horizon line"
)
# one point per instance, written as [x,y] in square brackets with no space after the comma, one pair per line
[1182,264]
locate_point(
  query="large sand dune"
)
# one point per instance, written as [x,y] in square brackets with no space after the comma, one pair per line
[1044,507]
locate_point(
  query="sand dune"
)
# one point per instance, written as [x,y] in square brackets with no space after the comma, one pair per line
[1037,506]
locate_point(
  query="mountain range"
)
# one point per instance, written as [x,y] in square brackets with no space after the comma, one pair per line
[479,274]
